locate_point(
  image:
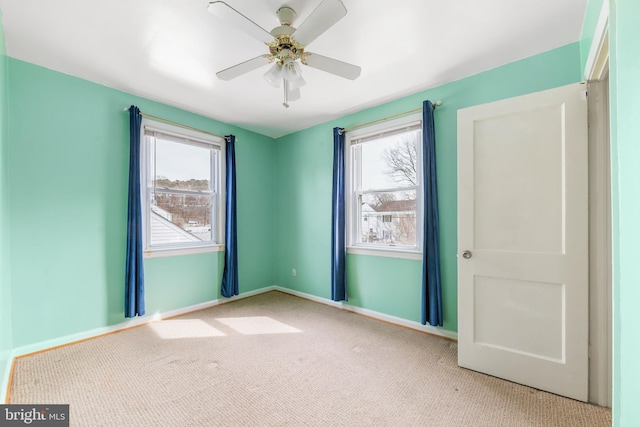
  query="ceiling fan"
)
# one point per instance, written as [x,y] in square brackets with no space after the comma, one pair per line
[287,46]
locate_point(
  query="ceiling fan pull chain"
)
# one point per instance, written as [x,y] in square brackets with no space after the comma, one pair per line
[286,93]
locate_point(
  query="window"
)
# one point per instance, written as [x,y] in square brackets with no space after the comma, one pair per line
[182,190]
[384,188]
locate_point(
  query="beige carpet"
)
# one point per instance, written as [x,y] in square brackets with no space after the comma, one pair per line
[275,360]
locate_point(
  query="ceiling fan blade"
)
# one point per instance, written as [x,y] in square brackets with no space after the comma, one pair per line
[243,67]
[333,66]
[225,12]
[322,18]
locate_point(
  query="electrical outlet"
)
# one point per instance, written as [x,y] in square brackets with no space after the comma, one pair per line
[293,272]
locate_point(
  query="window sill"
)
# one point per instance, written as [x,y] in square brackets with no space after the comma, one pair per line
[168,252]
[386,252]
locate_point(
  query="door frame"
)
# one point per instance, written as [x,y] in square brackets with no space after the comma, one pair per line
[596,73]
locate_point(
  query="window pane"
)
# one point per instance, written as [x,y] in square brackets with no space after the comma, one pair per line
[180,218]
[181,166]
[388,218]
[390,162]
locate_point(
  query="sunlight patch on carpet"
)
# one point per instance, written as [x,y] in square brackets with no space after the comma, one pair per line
[257,325]
[187,328]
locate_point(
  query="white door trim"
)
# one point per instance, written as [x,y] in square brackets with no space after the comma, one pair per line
[600,275]
[598,58]
[600,325]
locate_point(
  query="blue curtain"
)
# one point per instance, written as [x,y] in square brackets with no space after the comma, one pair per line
[134,278]
[229,286]
[338,246]
[431,285]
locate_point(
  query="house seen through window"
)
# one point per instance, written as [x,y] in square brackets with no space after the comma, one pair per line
[385,186]
[181,188]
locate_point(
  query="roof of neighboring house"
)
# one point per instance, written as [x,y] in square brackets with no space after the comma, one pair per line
[164,231]
[396,206]
[367,208]
[203,232]
[158,210]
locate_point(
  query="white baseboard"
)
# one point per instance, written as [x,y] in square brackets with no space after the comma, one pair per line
[137,321]
[4,384]
[80,336]
[374,314]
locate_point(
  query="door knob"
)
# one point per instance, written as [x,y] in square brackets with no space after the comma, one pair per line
[466,254]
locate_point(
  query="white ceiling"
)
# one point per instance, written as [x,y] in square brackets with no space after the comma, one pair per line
[170,50]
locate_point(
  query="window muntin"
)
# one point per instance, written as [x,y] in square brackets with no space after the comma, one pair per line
[182,189]
[385,186]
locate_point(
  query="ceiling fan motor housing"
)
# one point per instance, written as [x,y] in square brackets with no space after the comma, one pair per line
[286,15]
[284,46]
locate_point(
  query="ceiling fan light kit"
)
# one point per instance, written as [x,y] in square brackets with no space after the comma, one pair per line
[287,46]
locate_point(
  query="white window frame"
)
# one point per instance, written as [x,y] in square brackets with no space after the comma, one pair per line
[218,173]
[353,222]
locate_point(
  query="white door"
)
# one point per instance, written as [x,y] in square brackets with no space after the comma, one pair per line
[523,240]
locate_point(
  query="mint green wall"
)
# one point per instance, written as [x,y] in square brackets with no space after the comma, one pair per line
[68,171]
[304,165]
[6,342]
[624,69]
[591,16]
[624,34]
